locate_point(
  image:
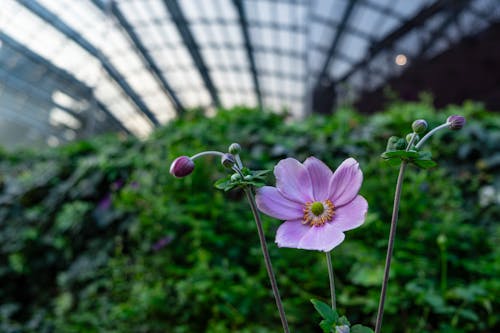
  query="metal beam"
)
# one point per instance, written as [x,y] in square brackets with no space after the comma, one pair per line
[248,47]
[386,42]
[336,39]
[113,8]
[69,32]
[30,90]
[182,25]
[63,76]
[37,97]
[438,32]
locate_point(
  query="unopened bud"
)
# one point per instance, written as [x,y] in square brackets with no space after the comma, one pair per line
[419,126]
[410,135]
[234,148]
[441,240]
[456,122]
[181,167]
[392,143]
[228,160]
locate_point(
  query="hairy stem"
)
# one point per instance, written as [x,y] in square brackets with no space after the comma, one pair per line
[332,282]
[267,258]
[390,246]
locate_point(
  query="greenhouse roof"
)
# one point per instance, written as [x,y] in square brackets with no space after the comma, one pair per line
[69,68]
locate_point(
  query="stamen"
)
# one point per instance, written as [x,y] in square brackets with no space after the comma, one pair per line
[318,213]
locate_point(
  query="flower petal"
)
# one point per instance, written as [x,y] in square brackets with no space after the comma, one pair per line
[271,202]
[290,233]
[346,182]
[352,215]
[293,181]
[323,238]
[320,175]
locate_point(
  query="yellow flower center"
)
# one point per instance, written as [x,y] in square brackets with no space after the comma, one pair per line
[318,213]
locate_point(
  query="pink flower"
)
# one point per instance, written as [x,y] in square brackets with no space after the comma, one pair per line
[181,166]
[316,204]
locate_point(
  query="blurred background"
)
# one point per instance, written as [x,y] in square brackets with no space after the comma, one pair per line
[97,97]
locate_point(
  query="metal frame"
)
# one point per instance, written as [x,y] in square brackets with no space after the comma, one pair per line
[112,8]
[392,37]
[336,39]
[249,49]
[438,32]
[61,74]
[175,10]
[69,32]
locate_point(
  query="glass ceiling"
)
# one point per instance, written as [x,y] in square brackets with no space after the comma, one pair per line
[71,68]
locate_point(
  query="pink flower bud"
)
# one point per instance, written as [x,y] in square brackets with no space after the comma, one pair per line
[181,167]
[456,122]
[228,160]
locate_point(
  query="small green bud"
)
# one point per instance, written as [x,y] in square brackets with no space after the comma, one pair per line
[419,126]
[228,160]
[391,143]
[235,177]
[442,240]
[410,135]
[234,148]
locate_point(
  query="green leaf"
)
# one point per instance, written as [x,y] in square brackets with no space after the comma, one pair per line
[424,155]
[424,160]
[425,164]
[392,161]
[343,321]
[260,173]
[360,329]
[223,183]
[326,325]
[402,154]
[325,310]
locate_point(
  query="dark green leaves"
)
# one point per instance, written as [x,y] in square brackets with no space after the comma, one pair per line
[421,159]
[250,178]
[325,310]
[396,152]
[332,323]
[360,329]
[329,316]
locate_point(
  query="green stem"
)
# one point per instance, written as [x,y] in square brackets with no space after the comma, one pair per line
[331,276]
[267,258]
[444,270]
[428,135]
[390,246]
[208,152]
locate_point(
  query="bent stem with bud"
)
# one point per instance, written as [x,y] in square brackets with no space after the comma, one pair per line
[406,156]
[245,179]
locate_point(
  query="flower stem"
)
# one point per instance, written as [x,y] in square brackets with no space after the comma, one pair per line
[444,264]
[331,276]
[390,246]
[267,258]
[428,135]
[208,152]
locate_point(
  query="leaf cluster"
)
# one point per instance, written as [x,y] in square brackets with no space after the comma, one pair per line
[97,236]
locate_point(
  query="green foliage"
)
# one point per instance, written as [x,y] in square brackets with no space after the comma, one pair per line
[98,237]
[250,178]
